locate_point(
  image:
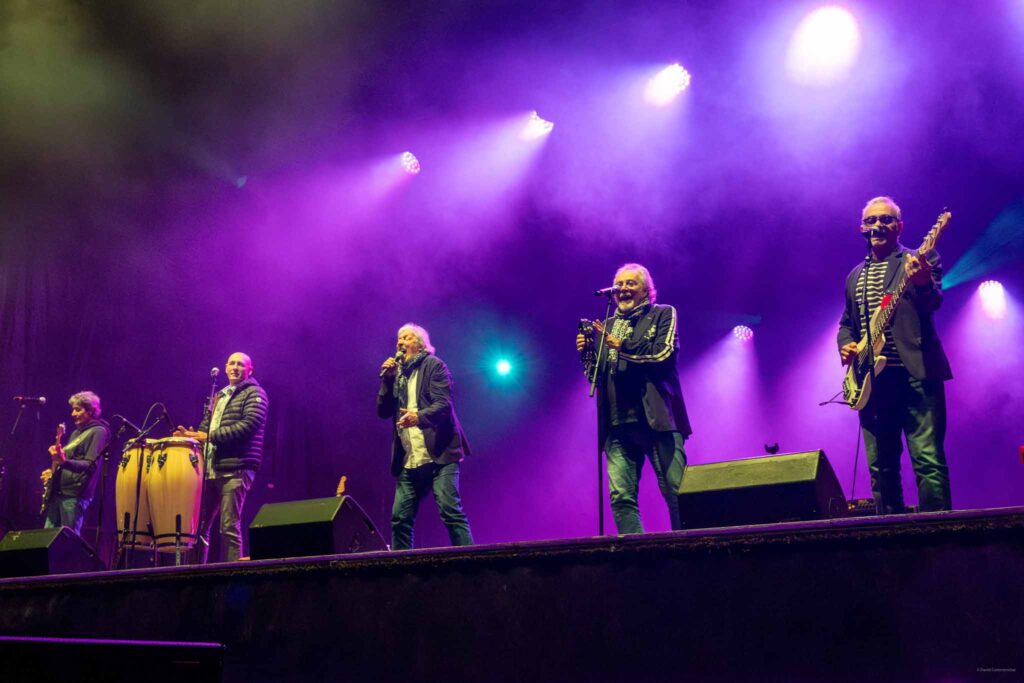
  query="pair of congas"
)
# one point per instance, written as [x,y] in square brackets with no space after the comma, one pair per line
[169,494]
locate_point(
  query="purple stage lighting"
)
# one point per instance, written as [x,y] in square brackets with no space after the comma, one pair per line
[743,333]
[410,163]
[666,85]
[536,127]
[993,299]
[824,46]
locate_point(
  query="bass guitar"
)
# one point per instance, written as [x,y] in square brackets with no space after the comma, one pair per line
[859,375]
[48,486]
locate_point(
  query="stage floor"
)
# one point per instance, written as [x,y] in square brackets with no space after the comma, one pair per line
[909,597]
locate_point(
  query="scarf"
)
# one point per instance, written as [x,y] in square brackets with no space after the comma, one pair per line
[622,327]
[405,371]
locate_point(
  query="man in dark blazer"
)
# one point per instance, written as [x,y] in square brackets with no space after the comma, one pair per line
[640,408]
[908,396]
[428,445]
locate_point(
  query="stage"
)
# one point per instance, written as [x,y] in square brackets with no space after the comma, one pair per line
[924,597]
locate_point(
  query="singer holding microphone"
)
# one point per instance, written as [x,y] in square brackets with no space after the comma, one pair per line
[640,409]
[232,434]
[428,445]
[909,395]
[72,475]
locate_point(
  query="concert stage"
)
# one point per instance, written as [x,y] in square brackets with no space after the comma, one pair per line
[929,597]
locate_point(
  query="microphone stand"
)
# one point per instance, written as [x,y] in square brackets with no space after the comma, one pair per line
[140,438]
[207,466]
[3,461]
[600,446]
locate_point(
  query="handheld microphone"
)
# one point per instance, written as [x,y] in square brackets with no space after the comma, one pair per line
[40,400]
[608,291]
[398,358]
[214,371]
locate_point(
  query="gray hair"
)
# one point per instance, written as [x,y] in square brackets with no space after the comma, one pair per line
[886,200]
[422,336]
[645,276]
[86,400]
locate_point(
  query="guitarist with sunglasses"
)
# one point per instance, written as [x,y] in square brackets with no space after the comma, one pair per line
[71,482]
[907,398]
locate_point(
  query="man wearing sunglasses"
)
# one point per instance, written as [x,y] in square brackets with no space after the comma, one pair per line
[908,397]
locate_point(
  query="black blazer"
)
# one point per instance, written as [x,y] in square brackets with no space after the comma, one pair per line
[913,329]
[442,433]
[650,351]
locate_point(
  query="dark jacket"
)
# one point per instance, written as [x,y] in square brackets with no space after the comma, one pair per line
[239,438]
[913,329]
[442,433]
[650,351]
[78,473]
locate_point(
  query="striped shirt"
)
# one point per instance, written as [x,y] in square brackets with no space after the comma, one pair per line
[875,274]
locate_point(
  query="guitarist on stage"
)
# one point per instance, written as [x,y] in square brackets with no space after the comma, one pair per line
[908,395]
[71,478]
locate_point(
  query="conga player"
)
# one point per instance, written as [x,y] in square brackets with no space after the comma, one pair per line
[232,433]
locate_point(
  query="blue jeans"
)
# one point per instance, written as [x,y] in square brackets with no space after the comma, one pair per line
[902,404]
[411,487]
[626,447]
[65,511]
[224,494]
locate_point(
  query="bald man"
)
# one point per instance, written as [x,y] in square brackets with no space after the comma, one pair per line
[233,437]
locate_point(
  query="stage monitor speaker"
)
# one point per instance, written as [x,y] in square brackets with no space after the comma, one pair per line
[37,552]
[321,526]
[774,488]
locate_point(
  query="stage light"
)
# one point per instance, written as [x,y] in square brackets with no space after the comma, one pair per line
[536,127]
[503,367]
[666,85]
[993,299]
[410,163]
[824,46]
[743,333]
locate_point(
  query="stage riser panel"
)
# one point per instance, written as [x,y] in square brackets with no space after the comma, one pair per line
[921,601]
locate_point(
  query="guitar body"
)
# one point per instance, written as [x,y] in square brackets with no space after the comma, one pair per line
[857,383]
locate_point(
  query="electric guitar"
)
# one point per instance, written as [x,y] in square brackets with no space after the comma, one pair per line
[857,383]
[48,486]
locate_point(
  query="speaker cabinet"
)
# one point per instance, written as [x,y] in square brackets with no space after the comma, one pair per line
[320,526]
[774,488]
[37,552]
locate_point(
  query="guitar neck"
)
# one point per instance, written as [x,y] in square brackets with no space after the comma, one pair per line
[891,300]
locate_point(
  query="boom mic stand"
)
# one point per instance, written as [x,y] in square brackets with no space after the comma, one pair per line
[207,465]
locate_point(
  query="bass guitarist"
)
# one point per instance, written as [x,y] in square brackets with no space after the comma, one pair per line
[71,482]
[908,396]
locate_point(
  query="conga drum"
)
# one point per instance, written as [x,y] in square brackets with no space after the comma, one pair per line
[135,455]
[175,491]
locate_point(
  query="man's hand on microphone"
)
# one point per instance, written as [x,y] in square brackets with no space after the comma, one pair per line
[410,418]
[389,368]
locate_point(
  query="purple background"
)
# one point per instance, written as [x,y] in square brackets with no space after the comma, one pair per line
[132,261]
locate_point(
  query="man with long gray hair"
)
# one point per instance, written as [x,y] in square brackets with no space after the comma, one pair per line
[71,479]
[416,393]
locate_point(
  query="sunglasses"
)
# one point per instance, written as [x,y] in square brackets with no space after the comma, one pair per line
[884,219]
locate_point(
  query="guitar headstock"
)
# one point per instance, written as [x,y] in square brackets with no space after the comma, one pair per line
[61,428]
[933,235]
